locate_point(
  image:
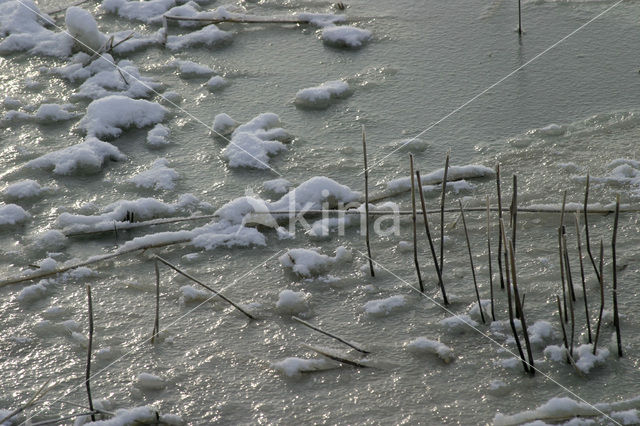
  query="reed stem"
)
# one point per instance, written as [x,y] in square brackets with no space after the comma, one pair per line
[493,311]
[582,277]
[473,270]
[586,229]
[499,227]
[366,200]
[616,317]
[414,221]
[333,336]
[601,282]
[156,324]
[523,321]
[442,198]
[88,370]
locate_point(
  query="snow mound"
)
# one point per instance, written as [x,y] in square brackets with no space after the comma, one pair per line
[86,157]
[540,332]
[83,28]
[191,294]
[149,381]
[253,143]
[308,262]
[125,80]
[345,36]
[158,136]
[108,116]
[223,124]
[50,240]
[586,360]
[209,36]
[26,188]
[385,307]
[293,367]
[321,96]
[138,416]
[216,82]
[158,176]
[138,10]
[223,234]
[454,173]
[277,186]
[458,323]
[11,214]
[562,407]
[293,302]
[51,113]
[422,345]
[32,293]
[189,69]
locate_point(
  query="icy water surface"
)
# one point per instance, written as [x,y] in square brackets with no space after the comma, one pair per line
[570,112]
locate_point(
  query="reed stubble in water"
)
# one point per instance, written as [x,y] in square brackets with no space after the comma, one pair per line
[493,311]
[582,277]
[473,270]
[616,317]
[88,370]
[442,199]
[414,219]
[516,295]
[156,323]
[500,267]
[366,201]
[601,284]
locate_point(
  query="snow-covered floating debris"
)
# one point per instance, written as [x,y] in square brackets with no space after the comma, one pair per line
[294,367]
[458,323]
[345,36]
[191,294]
[322,95]
[540,332]
[209,36]
[108,116]
[123,79]
[22,25]
[216,82]
[308,262]
[623,171]
[385,307]
[223,124]
[26,188]
[190,69]
[83,28]
[454,173]
[86,157]
[149,381]
[474,310]
[51,113]
[158,136]
[158,176]
[51,239]
[277,186]
[422,345]
[253,143]
[136,416]
[136,10]
[11,214]
[583,356]
[293,302]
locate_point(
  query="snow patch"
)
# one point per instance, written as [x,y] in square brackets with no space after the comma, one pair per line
[158,176]
[385,307]
[321,96]
[422,345]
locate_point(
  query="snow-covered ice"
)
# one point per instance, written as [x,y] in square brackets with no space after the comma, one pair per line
[26,188]
[322,95]
[86,157]
[293,366]
[158,176]
[345,36]
[158,136]
[150,381]
[293,302]
[308,262]
[422,345]
[384,307]
[12,214]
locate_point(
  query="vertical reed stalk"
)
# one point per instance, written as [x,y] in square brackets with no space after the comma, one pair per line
[493,311]
[573,326]
[567,266]
[519,19]
[586,229]
[523,321]
[442,198]
[499,226]
[616,317]
[601,282]
[156,324]
[564,331]
[366,200]
[514,212]
[88,370]
[584,285]
[561,254]
[511,317]
[431,246]
[473,270]
[413,218]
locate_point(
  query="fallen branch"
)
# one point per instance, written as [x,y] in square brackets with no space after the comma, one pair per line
[333,336]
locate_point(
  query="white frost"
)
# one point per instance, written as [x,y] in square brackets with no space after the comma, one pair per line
[458,323]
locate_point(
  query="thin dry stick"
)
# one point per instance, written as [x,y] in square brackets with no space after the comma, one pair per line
[567,265]
[493,312]
[586,228]
[561,254]
[601,282]
[366,200]
[333,336]
[88,371]
[431,246]
[414,219]
[442,197]
[242,20]
[523,321]
[514,211]
[616,318]
[499,228]
[511,319]
[195,280]
[156,324]
[336,357]
[473,270]
[564,331]
[584,285]
[573,323]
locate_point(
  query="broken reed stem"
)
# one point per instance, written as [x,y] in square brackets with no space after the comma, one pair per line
[156,324]
[336,357]
[567,265]
[573,325]
[582,277]
[431,246]
[473,270]
[165,30]
[493,312]
[601,282]
[586,228]
[442,198]
[414,220]
[511,319]
[523,321]
[513,210]
[241,20]
[195,280]
[561,254]
[333,336]
[499,227]
[366,200]
[564,331]
[616,318]
[88,371]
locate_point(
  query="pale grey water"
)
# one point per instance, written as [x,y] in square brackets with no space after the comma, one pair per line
[425,60]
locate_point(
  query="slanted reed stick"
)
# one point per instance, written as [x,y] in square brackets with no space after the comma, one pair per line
[366,200]
[567,266]
[561,254]
[499,226]
[333,336]
[523,321]
[431,246]
[473,270]
[616,317]
[513,210]
[442,198]
[564,331]
[584,285]
[156,324]
[601,282]
[414,219]
[88,370]
[493,311]
[586,228]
